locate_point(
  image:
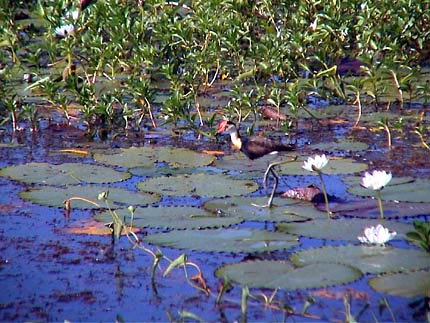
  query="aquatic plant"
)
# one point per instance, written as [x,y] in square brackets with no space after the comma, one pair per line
[279,53]
[316,164]
[376,235]
[421,235]
[217,226]
[376,182]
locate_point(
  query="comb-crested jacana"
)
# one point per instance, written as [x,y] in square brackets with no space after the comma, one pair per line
[255,147]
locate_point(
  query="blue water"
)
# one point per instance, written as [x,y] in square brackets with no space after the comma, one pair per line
[47,274]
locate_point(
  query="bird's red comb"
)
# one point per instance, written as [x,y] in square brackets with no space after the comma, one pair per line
[221,126]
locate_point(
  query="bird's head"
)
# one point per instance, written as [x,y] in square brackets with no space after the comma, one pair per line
[225,126]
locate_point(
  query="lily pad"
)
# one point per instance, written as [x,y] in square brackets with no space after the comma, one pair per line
[335,166]
[283,210]
[164,170]
[148,156]
[180,217]
[403,189]
[369,259]
[64,174]
[244,168]
[54,196]
[369,208]
[224,240]
[90,227]
[281,274]
[410,284]
[209,185]
[341,229]
[340,146]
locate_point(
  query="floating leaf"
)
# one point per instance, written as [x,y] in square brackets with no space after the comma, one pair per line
[369,208]
[54,196]
[308,193]
[182,157]
[180,217]
[128,158]
[404,189]
[341,229]
[224,240]
[283,210]
[340,146]
[166,170]
[244,168]
[148,156]
[64,174]
[334,166]
[197,184]
[90,227]
[410,284]
[281,274]
[369,259]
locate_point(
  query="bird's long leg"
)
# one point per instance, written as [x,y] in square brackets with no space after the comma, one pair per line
[266,175]
[276,177]
[275,186]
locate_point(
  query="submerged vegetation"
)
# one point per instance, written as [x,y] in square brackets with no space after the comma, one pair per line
[131,64]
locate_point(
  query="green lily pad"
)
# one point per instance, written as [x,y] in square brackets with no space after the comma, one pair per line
[180,217]
[283,210]
[403,189]
[334,166]
[209,185]
[410,284]
[341,229]
[161,171]
[224,240]
[54,196]
[244,168]
[368,208]
[369,259]
[281,274]
[64,174]
[148,156]
[340,146]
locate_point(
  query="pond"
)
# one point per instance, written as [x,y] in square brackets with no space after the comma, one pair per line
[59,265]
[119,201]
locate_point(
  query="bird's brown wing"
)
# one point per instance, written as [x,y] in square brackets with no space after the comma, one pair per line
[256,147]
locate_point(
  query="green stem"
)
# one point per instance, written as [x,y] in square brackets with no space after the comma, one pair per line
[381,210]
[325,195]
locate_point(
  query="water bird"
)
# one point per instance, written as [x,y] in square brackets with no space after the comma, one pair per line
[255,147]
[252,147]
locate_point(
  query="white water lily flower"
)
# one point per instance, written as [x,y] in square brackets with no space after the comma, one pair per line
[67,29]
[377,180]
[313,25]
[64,30]
[377,235]
[315,164]
[74,14]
